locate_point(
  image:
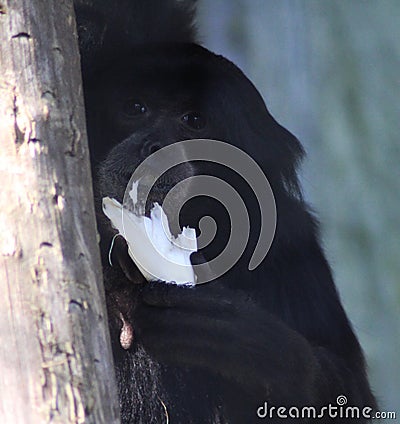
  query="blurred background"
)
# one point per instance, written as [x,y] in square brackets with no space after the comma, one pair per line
[329,71]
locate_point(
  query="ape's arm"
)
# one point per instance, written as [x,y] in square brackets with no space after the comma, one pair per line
[227,333]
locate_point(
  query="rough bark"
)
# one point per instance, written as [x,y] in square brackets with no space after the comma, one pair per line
[55,356]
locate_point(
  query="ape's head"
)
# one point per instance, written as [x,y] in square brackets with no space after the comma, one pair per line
[164,94]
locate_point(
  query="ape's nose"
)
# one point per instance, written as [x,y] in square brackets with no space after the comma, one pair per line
[150,147]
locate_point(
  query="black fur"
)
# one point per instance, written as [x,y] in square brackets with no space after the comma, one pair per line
[214,353]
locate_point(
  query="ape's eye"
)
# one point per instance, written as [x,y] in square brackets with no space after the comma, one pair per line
[132,107]
[194,120]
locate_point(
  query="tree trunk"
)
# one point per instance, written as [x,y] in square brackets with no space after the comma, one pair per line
[55,357]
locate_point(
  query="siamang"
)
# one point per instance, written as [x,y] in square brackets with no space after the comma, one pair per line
[216,352]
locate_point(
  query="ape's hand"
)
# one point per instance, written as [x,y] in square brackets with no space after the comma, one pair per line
[226,332]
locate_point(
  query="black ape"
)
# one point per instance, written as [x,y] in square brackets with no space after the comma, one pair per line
[214,353]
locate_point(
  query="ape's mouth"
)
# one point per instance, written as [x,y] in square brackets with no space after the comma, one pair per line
[168,190]
[158,194]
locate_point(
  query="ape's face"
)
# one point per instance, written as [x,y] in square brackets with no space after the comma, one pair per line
[159,98]
[151,110]
[141,113]
[162,97]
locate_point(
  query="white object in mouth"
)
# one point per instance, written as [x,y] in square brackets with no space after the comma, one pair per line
[156,252]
